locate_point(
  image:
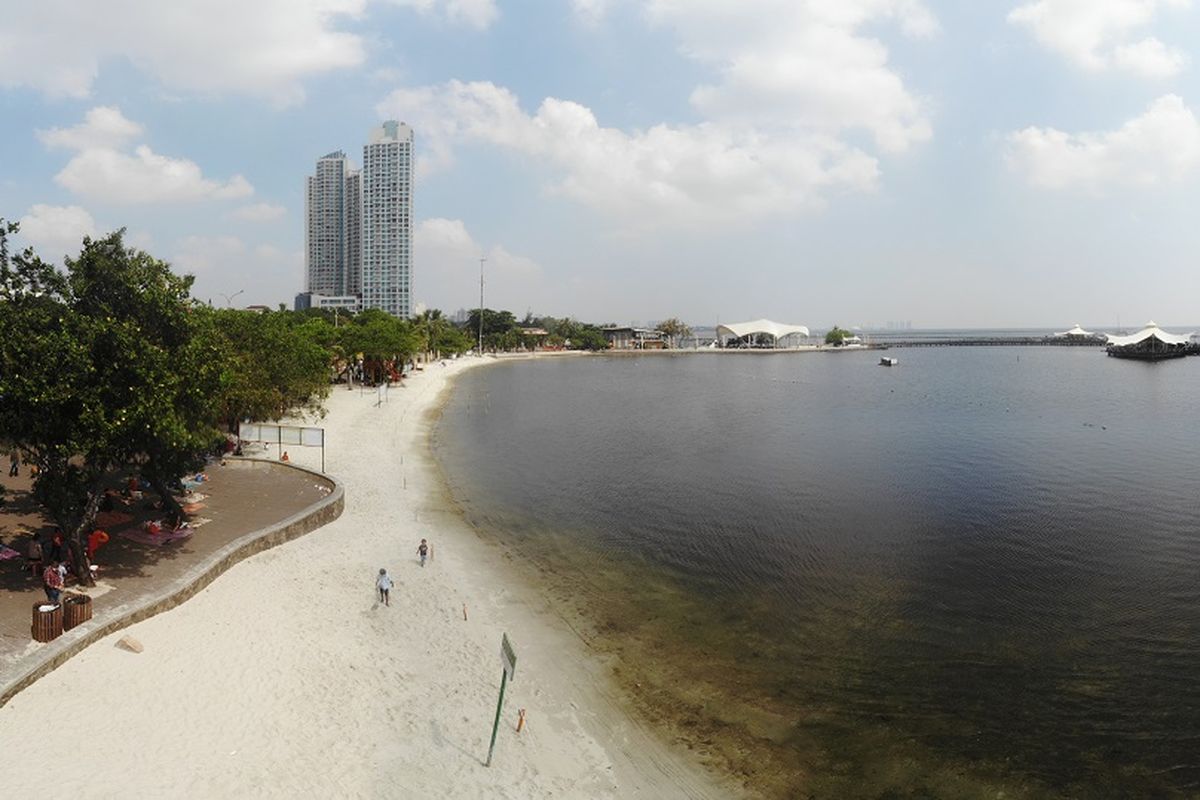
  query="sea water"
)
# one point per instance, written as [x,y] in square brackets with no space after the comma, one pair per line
[975,572]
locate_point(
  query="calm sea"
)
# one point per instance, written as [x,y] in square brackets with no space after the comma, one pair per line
[977,571]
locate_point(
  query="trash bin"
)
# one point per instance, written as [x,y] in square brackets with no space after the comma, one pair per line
[48,623]
[77,608]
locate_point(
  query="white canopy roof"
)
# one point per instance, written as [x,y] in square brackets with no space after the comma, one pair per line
[1151,329]
[1076,331]
[776,329]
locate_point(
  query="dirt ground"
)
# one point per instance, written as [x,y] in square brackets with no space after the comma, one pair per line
[241,497]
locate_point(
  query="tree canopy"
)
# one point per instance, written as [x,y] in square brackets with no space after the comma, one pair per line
[837,335]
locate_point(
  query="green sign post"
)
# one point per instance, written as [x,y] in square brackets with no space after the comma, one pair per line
[509,659]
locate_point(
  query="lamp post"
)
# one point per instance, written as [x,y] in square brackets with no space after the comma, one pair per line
[481,260]
[229,297]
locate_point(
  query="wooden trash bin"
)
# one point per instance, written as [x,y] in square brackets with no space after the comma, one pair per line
[47,625]
[77,608]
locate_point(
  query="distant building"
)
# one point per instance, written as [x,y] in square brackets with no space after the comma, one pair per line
[1076,333]
[746,334]
[1151,343]
[331,205]
[358,225]
[306,300]
[631,338]
[387,219]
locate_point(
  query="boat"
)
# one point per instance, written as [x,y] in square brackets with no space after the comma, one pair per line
[888,362]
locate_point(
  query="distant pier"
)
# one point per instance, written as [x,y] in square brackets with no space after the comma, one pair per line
[1005,341]
[993,341]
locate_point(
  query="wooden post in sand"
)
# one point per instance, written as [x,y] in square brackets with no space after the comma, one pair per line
[510,666]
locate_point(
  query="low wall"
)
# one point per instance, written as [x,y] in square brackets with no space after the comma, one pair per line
[54,654]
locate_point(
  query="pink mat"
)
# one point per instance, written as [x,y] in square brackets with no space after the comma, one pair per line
[142,537]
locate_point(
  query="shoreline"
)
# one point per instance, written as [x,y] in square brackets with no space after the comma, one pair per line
[287,673]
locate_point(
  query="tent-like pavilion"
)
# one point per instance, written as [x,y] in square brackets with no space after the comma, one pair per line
[1151,343]
[1076,332]
[776,330]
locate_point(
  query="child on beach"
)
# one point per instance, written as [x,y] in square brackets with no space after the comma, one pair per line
[384,585]
[423,551]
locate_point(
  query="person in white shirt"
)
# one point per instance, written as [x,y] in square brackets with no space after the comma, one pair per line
[384,585]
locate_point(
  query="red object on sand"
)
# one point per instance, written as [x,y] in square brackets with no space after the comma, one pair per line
[96,540]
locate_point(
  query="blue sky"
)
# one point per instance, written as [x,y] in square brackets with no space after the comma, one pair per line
[1016,163]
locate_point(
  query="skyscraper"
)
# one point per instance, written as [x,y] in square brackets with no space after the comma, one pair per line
[358,228]
[387,219]
[332,199]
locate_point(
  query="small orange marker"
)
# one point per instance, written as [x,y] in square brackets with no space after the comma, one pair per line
[464,612]
[520,720]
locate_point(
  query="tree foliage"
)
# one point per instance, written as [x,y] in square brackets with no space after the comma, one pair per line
[100,367]
[837,335]
[674,329]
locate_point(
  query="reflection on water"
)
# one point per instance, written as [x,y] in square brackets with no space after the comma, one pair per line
[973,573]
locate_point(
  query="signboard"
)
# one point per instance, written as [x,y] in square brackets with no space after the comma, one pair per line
[508,657]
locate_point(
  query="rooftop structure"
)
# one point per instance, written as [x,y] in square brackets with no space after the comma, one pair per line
[630,338]
[1076,331]
[776,330]
[1151,343]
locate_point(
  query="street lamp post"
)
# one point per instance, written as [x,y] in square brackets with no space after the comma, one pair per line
[229,297]
[481,260]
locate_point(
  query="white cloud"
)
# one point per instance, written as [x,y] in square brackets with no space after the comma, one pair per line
[265,48]
[258,212]
[684,175]
[803,65]
[228,266]
[1160,146]
[478,14]
[795,79]
[591,11]
[102,171]
[1097,35]
[56,231]
[103,126]
[448,270]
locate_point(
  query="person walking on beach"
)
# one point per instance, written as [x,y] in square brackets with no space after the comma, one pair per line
[384,585]
[14,463]
[423,551]
[52,582]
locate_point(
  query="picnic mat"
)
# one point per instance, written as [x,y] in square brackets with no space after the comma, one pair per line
[141,537]
[7,552]
[192,508]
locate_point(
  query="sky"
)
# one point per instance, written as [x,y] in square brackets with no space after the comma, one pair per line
[1001,163]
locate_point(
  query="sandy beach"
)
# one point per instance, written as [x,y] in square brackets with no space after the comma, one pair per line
[287,677]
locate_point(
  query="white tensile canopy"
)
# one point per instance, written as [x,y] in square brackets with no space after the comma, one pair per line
[1076,331]
[776,330]
[1151,330]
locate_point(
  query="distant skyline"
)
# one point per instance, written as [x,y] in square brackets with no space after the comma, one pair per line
[1027,163]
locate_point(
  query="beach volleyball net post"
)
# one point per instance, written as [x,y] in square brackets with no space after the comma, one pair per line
[509,659]
[291,435]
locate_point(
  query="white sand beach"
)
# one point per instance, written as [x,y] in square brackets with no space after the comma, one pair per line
[286,677]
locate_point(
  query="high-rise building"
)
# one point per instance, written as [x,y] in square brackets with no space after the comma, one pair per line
[331,201]
[387,219]
[358,231]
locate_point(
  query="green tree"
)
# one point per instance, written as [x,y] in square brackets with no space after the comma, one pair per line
[674,330]
[837,335]
[99,368]
[272,363]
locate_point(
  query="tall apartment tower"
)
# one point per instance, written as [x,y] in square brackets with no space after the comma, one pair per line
[332,201]
[387,176]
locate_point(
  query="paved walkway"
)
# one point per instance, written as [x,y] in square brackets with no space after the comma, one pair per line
[241,497]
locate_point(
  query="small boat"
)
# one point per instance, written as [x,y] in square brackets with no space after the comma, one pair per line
[888,362]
